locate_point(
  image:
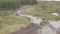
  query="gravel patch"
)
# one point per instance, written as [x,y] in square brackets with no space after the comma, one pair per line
[47,30]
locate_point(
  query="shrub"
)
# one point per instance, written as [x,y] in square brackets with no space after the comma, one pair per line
[13,4]
[9,4]
[28,2]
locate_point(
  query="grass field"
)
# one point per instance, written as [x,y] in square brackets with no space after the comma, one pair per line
[9,22]
[44,9]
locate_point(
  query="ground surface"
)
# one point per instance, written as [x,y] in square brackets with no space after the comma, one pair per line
[43,9]
[33,29]
[47,30]
[9,22]
[30,29]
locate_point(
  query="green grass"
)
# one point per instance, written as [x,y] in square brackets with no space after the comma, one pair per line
[44,9]
[44,22]
[9,22]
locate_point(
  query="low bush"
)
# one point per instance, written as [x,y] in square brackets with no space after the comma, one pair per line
[14,4]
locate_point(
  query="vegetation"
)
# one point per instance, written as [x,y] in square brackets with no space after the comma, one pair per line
[14,4]
[9,4]
[44,9]
[10,23]
[44,22]
[28,2]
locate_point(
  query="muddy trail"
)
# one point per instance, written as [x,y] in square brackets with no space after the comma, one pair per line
[31,29]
